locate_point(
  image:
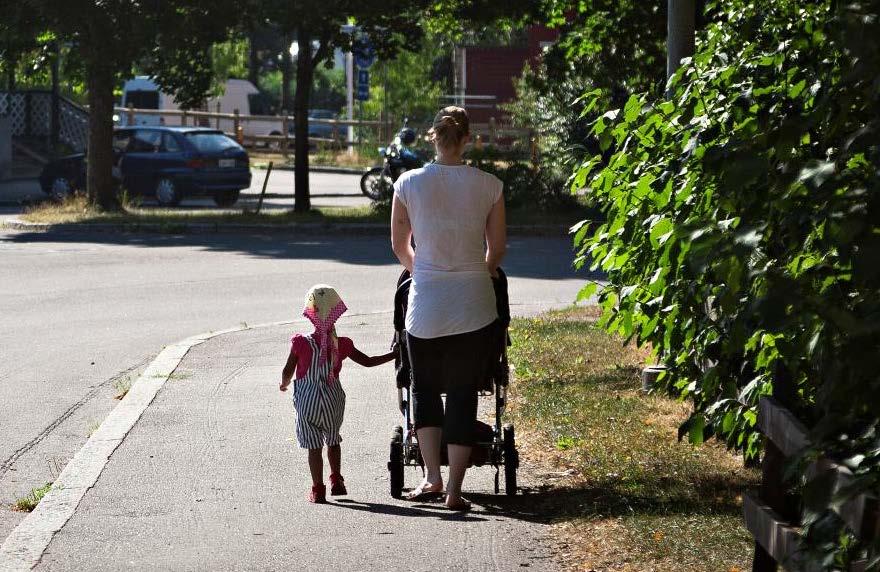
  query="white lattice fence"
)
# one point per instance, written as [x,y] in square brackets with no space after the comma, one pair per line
[74,122]
[31,115]
[13,105]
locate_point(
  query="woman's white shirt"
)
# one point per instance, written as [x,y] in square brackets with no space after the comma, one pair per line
[451,291]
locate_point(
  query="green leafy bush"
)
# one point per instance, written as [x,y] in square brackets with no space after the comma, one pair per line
[525,186]
[742,233]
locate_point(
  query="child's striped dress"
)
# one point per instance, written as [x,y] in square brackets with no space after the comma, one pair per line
[319,404]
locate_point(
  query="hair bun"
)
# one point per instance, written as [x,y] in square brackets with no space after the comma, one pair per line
[451,125]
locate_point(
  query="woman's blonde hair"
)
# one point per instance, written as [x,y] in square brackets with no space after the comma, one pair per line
[451,125]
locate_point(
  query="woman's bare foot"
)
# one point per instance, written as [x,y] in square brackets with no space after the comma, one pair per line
[457,503]
[425,490]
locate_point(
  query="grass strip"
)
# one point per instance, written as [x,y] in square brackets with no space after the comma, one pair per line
[76,210]
[623,492]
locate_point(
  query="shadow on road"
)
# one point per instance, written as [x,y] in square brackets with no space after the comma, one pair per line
[415,510]
[527,257]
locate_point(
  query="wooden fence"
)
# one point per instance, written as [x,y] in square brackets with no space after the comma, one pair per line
[773,516]
[275,130]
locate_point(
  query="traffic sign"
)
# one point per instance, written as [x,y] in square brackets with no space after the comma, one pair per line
[363,85]
[364,53]
[363,92]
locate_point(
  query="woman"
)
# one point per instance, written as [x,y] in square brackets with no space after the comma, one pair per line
[455,214]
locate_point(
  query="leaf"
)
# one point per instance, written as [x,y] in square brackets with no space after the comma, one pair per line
[587,291]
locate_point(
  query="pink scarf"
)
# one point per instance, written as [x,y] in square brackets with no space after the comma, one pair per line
[323,306]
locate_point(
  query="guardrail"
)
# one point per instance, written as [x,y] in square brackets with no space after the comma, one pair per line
[773,516]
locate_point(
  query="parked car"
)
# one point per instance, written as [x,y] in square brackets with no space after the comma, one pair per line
[169,163]
[324,130]
[319,130]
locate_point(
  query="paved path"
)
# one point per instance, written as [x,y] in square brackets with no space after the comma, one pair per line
[80,310]
[211,479]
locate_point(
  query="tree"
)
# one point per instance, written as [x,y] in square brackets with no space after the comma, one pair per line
[109,38]
[741,235]
[316,27]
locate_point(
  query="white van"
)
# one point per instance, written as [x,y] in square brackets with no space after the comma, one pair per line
[143,93]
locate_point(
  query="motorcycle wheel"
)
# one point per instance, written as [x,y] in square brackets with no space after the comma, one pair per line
[375,185]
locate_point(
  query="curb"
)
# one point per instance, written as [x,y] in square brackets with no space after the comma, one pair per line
[304,228]
[318,169]
[25,545]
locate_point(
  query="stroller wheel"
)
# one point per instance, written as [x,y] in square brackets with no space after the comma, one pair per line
[395,463]
[511,460]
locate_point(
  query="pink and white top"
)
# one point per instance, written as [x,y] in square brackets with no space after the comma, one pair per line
[303,352]
[451,292]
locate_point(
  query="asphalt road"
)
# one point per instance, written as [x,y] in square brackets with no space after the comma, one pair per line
[80,312]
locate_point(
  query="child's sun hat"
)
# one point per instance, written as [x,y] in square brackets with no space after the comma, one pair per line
[323,306]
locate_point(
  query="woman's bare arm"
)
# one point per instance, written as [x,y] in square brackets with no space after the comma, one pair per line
[401,233]
[360,358]
[496,236]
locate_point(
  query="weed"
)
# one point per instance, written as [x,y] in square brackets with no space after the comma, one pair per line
[92,427]
[121,386]
[30,501]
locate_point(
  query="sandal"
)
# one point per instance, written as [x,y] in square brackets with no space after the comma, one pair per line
[425,491]
[461,506]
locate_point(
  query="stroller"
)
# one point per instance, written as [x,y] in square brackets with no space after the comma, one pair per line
[495,445]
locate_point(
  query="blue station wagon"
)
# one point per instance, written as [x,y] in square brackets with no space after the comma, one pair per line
[168,163]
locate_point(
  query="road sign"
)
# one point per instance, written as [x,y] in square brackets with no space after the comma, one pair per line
[364,53]
[363,85]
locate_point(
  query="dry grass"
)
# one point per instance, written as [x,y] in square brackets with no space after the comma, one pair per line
[322,157]
[77,210]
[635,498]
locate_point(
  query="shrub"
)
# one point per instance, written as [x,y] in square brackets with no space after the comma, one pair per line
[743,230]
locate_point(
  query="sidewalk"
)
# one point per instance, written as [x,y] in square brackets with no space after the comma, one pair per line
[210,478]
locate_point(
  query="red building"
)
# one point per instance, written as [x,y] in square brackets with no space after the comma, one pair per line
[485,76]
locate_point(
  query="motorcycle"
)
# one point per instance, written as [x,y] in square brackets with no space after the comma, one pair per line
[397,158]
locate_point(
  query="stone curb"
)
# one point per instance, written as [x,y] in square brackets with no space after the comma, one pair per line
[305,228]
[25,545]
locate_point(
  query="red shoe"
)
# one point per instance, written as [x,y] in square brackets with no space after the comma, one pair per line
[337,485]
[318,494]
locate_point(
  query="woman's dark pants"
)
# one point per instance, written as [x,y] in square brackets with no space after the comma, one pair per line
[455,365]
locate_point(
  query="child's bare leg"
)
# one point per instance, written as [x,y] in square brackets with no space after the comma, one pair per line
[316,466]
[334,457]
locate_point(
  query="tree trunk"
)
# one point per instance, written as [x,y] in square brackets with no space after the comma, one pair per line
[100,77]
[11,64]
[286,73]
[304,72]
[253,60]
[680,34]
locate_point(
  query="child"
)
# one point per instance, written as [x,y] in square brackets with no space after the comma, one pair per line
[317,394]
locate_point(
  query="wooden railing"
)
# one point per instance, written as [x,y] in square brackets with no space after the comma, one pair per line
[275,129]
[773,515]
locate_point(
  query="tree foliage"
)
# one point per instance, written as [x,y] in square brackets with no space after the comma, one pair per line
[742,233]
